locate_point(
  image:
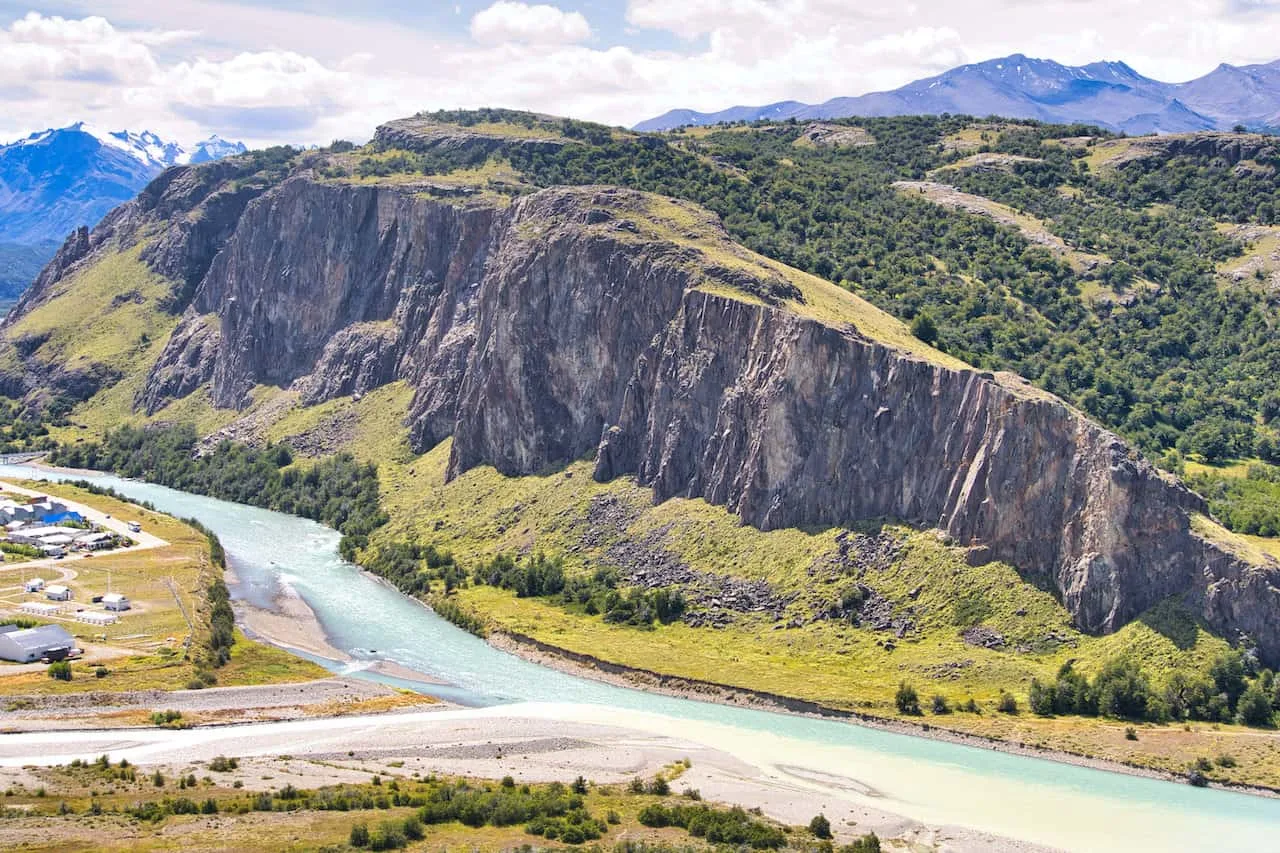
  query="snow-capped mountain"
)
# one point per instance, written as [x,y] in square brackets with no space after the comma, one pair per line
[56,180]
[1108,94]
[213,148]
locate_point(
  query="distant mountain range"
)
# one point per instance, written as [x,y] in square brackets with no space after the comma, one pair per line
[1108,94]
[59,179]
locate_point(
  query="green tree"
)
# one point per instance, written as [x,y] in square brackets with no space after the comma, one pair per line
[820,826]
[1040,697]
[1227,672]
[1122,689]
[925,327]
[1255,706]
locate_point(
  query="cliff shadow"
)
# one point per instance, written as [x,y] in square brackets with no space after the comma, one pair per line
[1172,620]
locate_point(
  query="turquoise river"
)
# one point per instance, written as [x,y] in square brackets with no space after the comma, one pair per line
[940,783]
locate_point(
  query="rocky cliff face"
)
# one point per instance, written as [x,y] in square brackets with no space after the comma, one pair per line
[571,323]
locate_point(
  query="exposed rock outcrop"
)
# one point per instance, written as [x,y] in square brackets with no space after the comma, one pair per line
[578,322]
[425,135]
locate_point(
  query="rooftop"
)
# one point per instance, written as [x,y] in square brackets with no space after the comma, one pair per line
[41,638]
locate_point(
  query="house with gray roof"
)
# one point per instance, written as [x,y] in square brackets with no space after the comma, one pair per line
[33,644]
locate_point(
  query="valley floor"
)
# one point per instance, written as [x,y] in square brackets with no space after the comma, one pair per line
[528,743]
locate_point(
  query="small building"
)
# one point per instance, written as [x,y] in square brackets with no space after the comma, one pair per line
[53,550]
[33,644]
[43,609]
[96,618]
[57,592]
[33,585]
[115,601]
[12,513]
[94,541]
[38,535]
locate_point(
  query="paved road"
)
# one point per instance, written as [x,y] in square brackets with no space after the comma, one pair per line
[117,525]
[143,539]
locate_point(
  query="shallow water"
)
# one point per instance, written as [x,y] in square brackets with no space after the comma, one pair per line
[932,781]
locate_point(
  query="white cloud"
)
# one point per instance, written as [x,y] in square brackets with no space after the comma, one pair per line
[508,21]
[281,75]
[35,48]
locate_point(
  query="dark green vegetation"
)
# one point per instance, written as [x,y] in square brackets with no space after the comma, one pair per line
[23,430]
[390,814]
[413,567]
[1204,186]
[1231,690]
[338,491]
[1248,504]
[1182,364]
[719,826]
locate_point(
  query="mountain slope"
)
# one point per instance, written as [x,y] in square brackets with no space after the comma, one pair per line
[538,329]
[1106,94]
[57,180]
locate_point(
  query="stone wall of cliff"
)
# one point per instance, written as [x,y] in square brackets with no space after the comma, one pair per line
[559,326]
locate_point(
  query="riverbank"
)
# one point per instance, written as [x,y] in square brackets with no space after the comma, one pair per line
[530,743]
[129,710]
[293,625]
[586,666]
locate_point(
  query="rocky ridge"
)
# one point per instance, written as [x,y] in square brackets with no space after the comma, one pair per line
[587,321]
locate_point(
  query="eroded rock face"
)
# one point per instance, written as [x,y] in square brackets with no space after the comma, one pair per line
[550,330]
[424,135]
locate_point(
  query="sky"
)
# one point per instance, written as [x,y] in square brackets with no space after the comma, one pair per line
[311,71]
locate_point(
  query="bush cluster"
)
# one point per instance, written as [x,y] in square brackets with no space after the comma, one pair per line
[718,826]
[1229,691]
[339,491]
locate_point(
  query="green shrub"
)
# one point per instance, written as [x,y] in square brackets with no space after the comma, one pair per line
[820,826]
[60,670]
[906,699]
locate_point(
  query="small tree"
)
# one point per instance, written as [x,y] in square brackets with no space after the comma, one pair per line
[907,700]
[359,835]
[940,705]
[60,670]
[579,785]
[924,328]
[869,843]
[820,826]
[1041,698]
[1007,704]
[1255,707]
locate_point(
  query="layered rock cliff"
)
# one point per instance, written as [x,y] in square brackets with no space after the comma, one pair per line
[602,322]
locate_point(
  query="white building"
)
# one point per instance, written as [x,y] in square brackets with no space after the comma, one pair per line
[43,609]
[57,592]
[94,541]
[33,644]
[34,585]
[96,619]
[33,510]
[38,535]
[115,601]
